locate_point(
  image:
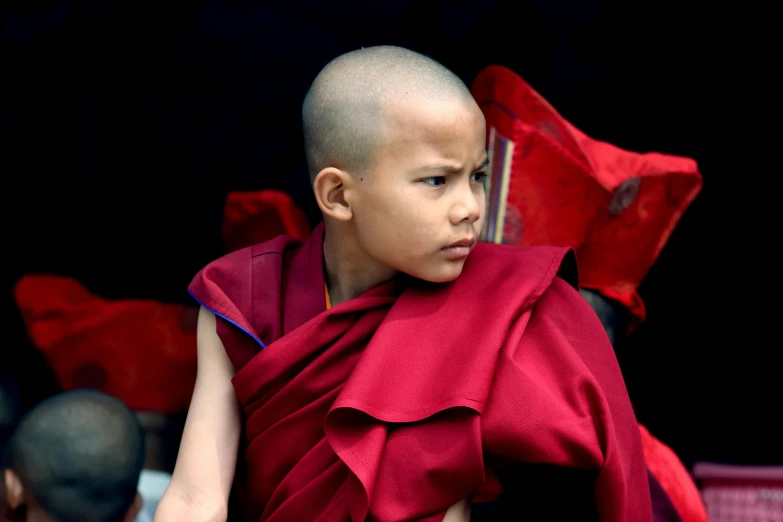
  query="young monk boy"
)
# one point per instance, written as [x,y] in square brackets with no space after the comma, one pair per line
[390,368]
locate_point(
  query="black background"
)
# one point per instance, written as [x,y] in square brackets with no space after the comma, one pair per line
[124,125]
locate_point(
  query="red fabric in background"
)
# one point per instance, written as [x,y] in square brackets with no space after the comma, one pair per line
[415,389]
[616,208]
[140,351]
[250,218]
[674,478]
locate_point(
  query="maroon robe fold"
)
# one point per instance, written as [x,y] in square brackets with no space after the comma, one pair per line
[386,406]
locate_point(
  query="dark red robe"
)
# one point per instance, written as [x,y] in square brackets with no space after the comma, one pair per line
[615,208]
[386,406]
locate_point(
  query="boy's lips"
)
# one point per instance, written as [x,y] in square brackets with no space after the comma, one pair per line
[459,249]
[467,242]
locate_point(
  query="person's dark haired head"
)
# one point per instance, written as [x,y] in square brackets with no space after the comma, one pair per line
[76,457]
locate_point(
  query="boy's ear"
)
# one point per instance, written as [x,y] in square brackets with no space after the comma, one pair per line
[134,509]
[14,489]
[329,187]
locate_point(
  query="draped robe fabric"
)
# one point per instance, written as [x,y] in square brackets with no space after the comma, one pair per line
[615,207]
[392,405]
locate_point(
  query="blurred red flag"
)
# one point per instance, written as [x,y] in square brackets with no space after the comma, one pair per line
[140,351]
[254,217]
[616,208]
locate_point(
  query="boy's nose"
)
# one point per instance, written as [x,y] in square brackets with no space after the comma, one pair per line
[466,208]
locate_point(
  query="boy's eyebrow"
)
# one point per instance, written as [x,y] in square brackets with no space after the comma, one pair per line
[443,167]
[455,168]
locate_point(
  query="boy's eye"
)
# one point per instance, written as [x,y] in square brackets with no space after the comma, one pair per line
[479,177]
[435,181]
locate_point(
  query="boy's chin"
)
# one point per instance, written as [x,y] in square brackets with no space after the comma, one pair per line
[444,274]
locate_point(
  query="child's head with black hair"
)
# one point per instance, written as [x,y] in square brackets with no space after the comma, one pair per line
[76,457]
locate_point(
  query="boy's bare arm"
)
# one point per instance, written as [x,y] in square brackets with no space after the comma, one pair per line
[459,512]
[202,478]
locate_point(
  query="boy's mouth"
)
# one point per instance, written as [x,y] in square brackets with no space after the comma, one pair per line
[459,249]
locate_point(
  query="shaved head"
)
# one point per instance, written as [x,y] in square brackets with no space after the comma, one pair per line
[344,109]
[80,454]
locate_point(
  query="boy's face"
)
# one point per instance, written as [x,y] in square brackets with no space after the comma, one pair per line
[421,207]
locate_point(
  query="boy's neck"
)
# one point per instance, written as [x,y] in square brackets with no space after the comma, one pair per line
[348,270]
